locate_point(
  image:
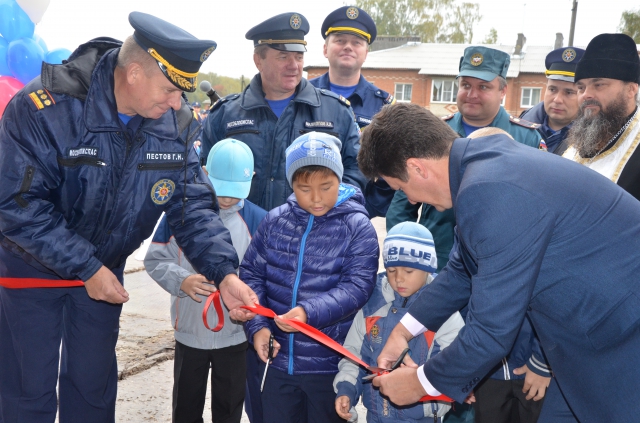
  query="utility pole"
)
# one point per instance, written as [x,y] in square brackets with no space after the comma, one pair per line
[572,31]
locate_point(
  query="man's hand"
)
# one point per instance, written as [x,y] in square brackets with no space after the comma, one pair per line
[104,286]
[535,386]
[261,344]
[195,285]
[297,313]
[402,385]
[236,293]
[343,405]
[396,343]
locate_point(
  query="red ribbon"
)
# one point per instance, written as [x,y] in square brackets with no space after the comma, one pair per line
[325,340]
[16,283]
[214,298]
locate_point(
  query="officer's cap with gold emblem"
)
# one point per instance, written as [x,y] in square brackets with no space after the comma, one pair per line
[284,32]
[178,53]
[351,20]
[561,63]
[484,63]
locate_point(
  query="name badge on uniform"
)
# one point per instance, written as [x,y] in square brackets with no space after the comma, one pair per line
[362,121]
[240,123]
[160,156]
[83,151]
[319,124]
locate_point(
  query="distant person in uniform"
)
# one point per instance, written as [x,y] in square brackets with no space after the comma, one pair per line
[93,152]
[606,134]
[560,104]
[277,107]
[348,31]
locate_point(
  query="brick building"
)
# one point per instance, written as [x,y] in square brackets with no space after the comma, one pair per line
[425,74]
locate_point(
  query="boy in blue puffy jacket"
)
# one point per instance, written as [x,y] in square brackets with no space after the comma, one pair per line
[313,259]
[409,256]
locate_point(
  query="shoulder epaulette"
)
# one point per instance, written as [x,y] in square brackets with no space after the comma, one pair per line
[524,123]
[340,98]
[387,98]
[41,98]
[448,117]
[223,100]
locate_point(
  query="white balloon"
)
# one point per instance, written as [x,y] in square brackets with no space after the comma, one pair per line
[34,8]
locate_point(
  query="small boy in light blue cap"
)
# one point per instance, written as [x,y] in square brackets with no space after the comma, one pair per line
[230,169]
[313,259]
[410,260]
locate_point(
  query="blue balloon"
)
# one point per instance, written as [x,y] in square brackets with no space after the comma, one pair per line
[4,67]
[25,59]
[55,57]
[38,39]
[14,22]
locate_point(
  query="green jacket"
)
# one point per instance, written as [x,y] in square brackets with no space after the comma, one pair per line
[441,224]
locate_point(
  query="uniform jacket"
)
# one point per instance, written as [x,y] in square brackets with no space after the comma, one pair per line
[327,265]
[247,117]
[366,101]
[366,338]
[80,192]
[537,114]
[166,264]
[561,252]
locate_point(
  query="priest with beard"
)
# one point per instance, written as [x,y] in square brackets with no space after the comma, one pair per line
[606,133]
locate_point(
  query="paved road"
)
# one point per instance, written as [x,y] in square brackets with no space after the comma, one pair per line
[145,349]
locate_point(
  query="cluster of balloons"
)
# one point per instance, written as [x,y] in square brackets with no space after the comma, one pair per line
[21,51]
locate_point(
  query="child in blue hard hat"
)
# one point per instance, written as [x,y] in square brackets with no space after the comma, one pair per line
[410,259]
[313,259]
[230,169]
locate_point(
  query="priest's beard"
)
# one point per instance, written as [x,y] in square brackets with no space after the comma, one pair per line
[592,130]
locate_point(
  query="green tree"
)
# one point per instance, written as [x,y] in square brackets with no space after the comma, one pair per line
[443,21]
[492,37]
[223,85]
[630,24]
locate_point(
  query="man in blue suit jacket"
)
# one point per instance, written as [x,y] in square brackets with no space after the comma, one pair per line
[561,251]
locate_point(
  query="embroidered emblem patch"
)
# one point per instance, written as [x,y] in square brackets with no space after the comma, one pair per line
[352,13]
[568,55]
[477,59]
[295,21]
[162,191]
[204,56]
[375,334]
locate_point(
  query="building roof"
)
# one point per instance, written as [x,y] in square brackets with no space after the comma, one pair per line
[444,59]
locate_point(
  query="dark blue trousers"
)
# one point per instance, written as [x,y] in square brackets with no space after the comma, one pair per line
[299,398]
[33,325]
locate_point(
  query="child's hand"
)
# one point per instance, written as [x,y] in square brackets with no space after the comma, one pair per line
[197,284]
[297,313]
[343,405]
[261,344]
[535,386]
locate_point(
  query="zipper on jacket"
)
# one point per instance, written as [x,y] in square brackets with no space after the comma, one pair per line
[241,131]
[82,160]
[295,286]
[25,186]
[159,166]
[304,131]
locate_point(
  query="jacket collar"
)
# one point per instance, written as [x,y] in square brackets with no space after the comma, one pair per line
[101,111]
[360,91]
[501,120]
[253,96]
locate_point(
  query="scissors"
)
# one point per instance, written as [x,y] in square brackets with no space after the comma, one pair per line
[377,371]
[269,358]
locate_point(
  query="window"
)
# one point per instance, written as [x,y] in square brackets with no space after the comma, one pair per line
[444,91]
[530,97]
[403,92]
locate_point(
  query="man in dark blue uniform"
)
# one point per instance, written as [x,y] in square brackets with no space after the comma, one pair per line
[560,105]
[93,153]
[277,107]
[348,31]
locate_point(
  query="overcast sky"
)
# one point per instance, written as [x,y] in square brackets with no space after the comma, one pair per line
[67,23]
